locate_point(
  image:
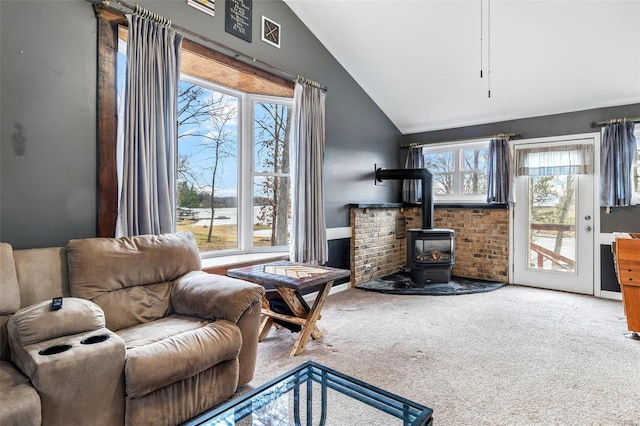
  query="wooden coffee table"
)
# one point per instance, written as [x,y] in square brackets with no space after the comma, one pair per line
[288,278]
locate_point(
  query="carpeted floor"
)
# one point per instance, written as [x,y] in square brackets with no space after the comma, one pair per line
[514,356]
[400,283]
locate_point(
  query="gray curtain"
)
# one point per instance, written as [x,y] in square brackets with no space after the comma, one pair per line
[412,188]
[499,171]
[616,161]
[149,138]
[309,233]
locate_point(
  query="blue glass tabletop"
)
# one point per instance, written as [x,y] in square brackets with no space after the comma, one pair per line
[312,394]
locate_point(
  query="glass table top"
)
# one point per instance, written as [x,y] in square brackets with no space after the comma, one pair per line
[312,394]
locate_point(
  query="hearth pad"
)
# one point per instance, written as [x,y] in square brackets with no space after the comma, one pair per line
[400,283]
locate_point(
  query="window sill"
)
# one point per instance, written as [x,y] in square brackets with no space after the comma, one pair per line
[220,265]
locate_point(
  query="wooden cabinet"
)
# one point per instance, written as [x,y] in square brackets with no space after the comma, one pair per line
[626,251]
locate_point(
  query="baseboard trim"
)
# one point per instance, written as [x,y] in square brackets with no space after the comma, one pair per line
[613,295]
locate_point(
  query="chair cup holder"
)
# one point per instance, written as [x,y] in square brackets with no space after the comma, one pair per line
[52,350]
[95,339]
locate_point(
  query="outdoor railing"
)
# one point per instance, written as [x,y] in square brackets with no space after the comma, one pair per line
[544,253]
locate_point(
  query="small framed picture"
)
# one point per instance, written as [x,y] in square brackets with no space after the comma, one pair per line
[206,6]
[271,32]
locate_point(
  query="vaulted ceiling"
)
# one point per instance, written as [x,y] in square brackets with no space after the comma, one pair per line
[420,60]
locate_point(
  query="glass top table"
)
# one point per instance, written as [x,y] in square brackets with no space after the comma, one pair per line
[312,394]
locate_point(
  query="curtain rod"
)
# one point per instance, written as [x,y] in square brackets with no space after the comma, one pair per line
[498,136]
[123,7]
[615,121]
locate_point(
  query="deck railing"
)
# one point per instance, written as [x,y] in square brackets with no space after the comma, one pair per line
[544,253]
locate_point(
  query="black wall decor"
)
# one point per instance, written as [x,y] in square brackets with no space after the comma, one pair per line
[237,18]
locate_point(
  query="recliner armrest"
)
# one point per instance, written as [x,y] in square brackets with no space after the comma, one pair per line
[214,297]
[37,323]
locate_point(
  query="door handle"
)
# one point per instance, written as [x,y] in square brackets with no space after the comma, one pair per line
[587,217]
[587,228]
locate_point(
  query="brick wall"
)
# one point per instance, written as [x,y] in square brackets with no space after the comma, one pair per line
[482,241]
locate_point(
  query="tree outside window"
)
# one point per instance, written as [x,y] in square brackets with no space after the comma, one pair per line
[213,202]
[459,170]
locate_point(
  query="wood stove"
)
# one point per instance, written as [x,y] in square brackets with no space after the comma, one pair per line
[430,255]
[430,251]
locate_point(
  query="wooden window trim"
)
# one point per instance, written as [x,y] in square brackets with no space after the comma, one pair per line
[107,118]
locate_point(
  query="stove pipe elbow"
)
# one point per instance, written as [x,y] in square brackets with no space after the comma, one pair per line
[427,188]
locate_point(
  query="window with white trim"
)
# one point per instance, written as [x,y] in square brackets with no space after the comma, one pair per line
[233,176]
[459,170]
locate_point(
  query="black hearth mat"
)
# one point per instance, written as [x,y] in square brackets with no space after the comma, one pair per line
[400,283]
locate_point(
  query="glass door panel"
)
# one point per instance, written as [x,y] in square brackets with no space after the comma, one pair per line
[552,218]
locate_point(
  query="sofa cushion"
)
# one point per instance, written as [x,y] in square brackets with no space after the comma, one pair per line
[135,305]
[10,300]
[38,322]
[130,278]
[163,352]
[100,265]
[42,274]
[20,401]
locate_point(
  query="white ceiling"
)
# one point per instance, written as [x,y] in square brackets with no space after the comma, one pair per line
[419,60]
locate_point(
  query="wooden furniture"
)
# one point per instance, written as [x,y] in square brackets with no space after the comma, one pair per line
[626,251]
[288,278]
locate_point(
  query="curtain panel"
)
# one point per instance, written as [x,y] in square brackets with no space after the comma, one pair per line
[617,151]
[412,188]
[558,160]
[309,233]
[499,171]
[148,140]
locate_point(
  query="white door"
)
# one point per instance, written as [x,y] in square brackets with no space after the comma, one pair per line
[553,228]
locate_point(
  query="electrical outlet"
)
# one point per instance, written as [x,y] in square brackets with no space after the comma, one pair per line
[367,267]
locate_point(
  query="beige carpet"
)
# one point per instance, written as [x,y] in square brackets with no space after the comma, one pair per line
[514,356]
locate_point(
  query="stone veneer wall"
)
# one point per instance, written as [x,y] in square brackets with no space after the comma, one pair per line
[482,241]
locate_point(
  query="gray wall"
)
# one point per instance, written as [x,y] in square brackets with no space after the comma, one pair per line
[48,114]
[624,219]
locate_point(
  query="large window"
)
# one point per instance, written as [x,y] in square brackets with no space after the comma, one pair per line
[459,171]
[233,176]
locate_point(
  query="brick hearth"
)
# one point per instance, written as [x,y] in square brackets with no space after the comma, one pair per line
[482,240]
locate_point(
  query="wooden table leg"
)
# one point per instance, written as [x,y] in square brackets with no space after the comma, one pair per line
[265,326]
[292,298]
[312,317]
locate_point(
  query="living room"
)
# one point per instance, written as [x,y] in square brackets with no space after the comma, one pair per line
[49,174]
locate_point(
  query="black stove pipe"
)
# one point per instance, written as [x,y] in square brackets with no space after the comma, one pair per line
[427,197]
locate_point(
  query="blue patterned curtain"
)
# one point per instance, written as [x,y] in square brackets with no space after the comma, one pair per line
[412,188]
[499,171]
[616,161]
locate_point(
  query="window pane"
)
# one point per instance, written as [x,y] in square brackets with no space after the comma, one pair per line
[475,183]
[207,166]
[272,211]
[439,161]
[475,159]
[552,223]
[443,184]
[271,137]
